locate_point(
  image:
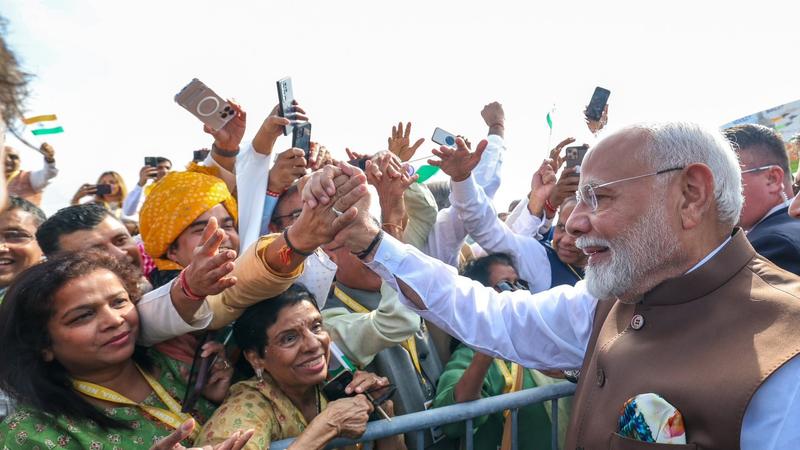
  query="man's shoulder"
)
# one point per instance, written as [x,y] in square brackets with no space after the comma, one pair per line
[773,282]
[776,226]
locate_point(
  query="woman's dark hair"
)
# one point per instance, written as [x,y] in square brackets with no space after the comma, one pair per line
[250,330]
[24,315]
[478,269]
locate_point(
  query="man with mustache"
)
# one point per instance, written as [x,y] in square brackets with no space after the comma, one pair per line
[687,309]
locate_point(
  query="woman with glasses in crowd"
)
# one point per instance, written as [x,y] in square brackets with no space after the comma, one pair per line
[110,191]
[69,327]
[287,350]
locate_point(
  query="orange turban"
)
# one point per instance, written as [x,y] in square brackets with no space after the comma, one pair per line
[174,203]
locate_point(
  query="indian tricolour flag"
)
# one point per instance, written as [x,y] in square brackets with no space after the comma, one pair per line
[44,124]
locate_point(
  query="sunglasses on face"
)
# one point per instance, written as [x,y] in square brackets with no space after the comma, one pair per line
[505,285]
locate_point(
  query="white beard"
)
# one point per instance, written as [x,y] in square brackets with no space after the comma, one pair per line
[647,245]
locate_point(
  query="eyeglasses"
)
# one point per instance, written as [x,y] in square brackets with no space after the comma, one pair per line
[587,195]
[292,215]
[758,169]
[505,285]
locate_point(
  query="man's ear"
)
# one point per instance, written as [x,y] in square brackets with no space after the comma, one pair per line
[697,194]
[172,252]
[48,355]
[775,177]
[274,228]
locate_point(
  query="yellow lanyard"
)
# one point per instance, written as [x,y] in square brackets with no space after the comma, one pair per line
[508,376]
[410,345]
[172,417]
[513,379]
[15,174]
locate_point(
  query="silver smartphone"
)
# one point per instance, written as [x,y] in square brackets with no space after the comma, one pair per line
[442,137]
[285,99]
[205,104]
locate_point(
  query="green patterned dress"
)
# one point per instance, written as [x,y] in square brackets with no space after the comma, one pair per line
[30,430]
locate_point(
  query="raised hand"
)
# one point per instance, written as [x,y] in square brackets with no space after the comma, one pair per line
[236,441]
[319,156]
[84,191]
[208,272]
[289,166]
[48,152]
[543,181]
[147,173]
[565,187]
[459,162]
[272,127]
[319,224]
[230,136]
[495,118]
[596,125]
[399,142]
[556,160]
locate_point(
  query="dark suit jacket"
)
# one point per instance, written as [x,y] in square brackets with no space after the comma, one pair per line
[777,238]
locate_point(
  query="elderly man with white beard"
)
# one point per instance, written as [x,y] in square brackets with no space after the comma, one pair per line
[688,311]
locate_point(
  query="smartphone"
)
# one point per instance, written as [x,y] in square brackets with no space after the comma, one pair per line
[574,155]
[442,137]
[598,103]
[150,161]
[200,371]
[301,138]
[334,389]
[200,155]
[285,99]
[103,189]
[205,104]
[361,163]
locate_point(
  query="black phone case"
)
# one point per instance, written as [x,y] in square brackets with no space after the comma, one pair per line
[598,102]
[301,138]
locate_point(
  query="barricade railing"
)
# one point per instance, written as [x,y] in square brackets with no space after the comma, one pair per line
[421,422]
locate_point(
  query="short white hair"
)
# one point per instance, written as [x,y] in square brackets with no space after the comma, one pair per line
[679,144]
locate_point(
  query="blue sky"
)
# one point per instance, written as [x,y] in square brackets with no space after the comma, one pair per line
[110,70]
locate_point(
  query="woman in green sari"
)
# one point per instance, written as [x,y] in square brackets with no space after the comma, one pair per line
[69,360]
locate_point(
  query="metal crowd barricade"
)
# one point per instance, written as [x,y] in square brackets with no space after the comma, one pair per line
[419,423]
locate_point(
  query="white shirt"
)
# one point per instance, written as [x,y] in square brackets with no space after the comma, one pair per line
[133,201]
[41,178]
[481,222]
[448,234]
[521,221]
[159,320]
[250,183]
[551,329]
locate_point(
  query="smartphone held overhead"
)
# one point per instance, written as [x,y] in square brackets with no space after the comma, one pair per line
[445,138]
[285,100]
[574,155]
[205,104]
[301,138]
[597,104]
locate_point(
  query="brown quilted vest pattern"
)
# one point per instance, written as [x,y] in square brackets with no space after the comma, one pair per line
[705,342]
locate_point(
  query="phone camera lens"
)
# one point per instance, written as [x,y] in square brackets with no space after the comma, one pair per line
[223,115]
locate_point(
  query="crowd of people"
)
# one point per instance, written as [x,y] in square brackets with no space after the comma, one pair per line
[256,295]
